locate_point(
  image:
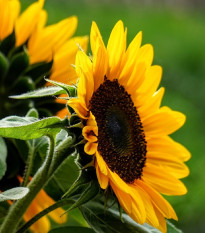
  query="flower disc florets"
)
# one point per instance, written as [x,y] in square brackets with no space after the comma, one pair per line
[121,139]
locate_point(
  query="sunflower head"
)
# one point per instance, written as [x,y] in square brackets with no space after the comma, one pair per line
[29,51]
[126,129]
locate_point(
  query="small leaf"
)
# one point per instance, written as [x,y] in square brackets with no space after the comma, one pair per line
[14,194]
[32,113]
[43,92]
[71,229]
[3,155]
[26,128]
[4,65]
[70,90]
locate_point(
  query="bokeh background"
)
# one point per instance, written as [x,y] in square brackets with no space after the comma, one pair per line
[176,29]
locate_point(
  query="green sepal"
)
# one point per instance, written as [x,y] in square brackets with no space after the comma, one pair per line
[91,190]
[38,70]
[14,194]
[4,65]
[18,64]
[3,155]
[8,43]
[82,181]
[24,83]
[42,92]
[26,128]
[71,90]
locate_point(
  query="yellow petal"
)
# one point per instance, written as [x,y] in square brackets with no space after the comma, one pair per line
[79,107]
[162,222]
[94,36]
[50,39]
[168,145]
[130,57]
[162,181]
[152,105]
[100,64]
[163,122]
[116,49]
[58,216]
[86,82]
[170,163]
[151,82]
[26,22]
[101,163]
[117,181]
[42,225]
[161,204]
[146,54]
[135,78]
[90,148]
[62,113]
[102,179]
[138,210]
[9,11]
[44,201]
[124,198]
[131,202]
[89,133]
[64,58]
[150,213]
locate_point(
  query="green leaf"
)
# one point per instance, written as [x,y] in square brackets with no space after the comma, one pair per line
[38,70]
[70,90]
[42,92]
[108,220]
[26,128]
[63,178]
[171,228]
[4,65]
[14,193]
[18,64]
[3,155]
[71,229]
[8,43]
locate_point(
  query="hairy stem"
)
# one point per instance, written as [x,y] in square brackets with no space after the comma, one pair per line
[18,209]
[29,163]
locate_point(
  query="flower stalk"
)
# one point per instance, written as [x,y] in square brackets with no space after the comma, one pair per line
[42,176]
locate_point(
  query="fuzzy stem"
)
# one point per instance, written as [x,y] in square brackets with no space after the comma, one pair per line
[18,209]
[29,163]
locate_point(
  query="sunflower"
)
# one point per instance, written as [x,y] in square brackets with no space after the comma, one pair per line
[126,130]
[31,50]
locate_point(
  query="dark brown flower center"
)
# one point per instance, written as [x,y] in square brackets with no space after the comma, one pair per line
[121,139]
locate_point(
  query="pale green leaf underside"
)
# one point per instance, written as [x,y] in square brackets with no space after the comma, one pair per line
[14,194]
[26,128]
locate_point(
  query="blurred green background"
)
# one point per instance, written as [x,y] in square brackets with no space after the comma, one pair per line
[177,32]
